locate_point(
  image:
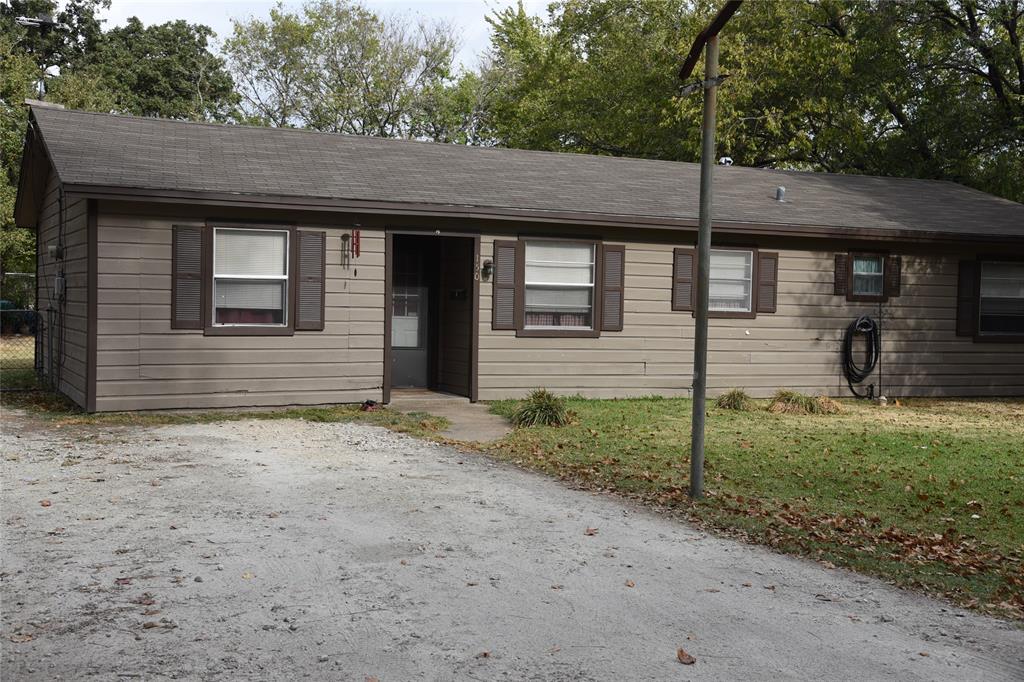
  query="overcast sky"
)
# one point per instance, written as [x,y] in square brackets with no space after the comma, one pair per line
[466,15]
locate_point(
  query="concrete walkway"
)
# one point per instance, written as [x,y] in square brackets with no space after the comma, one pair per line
[469,422]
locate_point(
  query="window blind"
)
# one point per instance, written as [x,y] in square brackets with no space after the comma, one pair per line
[250,253]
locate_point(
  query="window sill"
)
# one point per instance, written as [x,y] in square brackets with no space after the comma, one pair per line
[865,298]
[999,338]
[729,314]
[242,330]
[541,332]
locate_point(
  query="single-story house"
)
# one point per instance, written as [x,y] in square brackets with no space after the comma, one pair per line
[193,265]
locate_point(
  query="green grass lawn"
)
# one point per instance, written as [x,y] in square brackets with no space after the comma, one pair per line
[928,494]
[17,361]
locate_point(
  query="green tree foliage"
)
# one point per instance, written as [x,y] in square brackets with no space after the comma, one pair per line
[454,112]
[923,88]
[267,60]
[164,70]
[336,66]
[17,250]
[596,77]
[18,73]
[78,34]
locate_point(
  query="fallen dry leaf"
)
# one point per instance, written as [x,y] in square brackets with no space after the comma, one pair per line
[45,503]
[21,638]
[630,583]
[247,576]
[685,658]
[123,581]
[148,625]
[484,654]
[590,531]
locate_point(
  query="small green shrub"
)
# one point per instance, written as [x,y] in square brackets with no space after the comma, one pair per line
[541,408]
[735,399]
[790,402]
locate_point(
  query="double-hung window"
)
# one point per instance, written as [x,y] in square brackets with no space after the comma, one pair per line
[1001,304]
[559,285]
[732,276]
[868,276]
[250,277]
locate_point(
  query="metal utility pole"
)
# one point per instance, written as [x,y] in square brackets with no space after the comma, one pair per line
[708,40]
[45,24]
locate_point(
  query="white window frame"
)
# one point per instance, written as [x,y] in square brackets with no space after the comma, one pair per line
[982,297]
[750,289]
[257,278]
[560,285]
[854,275]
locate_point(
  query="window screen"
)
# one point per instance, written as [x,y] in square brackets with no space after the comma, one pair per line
[731,281]
[1002,298]
[250,277]
[559,285]
[868,275]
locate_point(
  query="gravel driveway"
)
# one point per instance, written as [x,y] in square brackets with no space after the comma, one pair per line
[285,549]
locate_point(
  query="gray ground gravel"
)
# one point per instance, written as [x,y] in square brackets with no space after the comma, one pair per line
[281,550]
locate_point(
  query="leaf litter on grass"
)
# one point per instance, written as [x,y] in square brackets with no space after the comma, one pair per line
[886,491]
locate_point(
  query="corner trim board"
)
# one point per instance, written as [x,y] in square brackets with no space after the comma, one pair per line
[92,296]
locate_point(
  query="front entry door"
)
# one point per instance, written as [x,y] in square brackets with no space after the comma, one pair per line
[410,320]
[432,315]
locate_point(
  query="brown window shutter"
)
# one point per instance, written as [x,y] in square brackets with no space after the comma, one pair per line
[967,299]
[893,274]
[613,284]
[504,291]
[311,267]
[187,277]
[842,282]
[767,281]
[684,290]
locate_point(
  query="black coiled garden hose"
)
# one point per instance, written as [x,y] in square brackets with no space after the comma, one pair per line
[856,374]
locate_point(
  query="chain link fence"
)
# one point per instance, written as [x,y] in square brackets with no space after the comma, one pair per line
[20,327]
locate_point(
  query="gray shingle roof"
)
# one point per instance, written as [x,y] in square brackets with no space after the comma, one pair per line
[156,154]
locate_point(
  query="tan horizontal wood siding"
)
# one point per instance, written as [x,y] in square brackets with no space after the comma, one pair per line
[797,347]
[144,364]
[63,349]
